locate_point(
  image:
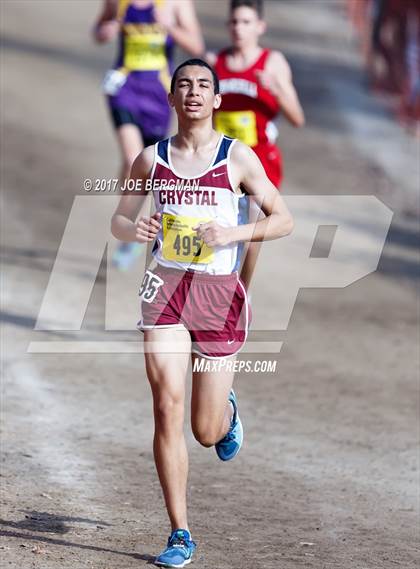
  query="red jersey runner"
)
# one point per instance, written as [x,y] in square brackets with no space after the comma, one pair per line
[247,112]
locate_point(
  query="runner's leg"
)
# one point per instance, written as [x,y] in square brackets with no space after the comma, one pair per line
[130,141]
[211,413]
[166,374]
[272,161]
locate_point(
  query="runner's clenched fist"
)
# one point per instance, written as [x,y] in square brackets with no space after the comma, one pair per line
[147,228]
[213,234]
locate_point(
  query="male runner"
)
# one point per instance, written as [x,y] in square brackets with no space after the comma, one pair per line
[137,86]
[256,85]
[194,302]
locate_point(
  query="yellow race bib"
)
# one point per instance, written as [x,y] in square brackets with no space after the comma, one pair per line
[144,51]
[181,243]
[238,124]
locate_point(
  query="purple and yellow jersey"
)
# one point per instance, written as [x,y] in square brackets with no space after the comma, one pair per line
[144,47]
[145,56]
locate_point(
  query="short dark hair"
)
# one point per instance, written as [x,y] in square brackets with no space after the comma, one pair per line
[200,63]
[256,5]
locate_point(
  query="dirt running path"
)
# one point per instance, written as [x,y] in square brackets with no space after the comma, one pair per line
[327,477]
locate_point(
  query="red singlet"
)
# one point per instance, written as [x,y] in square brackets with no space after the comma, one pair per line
[247,111]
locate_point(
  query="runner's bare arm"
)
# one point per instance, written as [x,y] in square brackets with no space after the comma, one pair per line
[128,223]
[247,170]
[185,30]
[106,27]
[277,77]
[278,221]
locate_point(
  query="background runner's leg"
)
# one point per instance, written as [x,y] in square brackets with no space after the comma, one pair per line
[250,263]
[131,144]
[211,413]
[166,373]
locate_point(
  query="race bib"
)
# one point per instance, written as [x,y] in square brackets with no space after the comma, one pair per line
[238,124]
[113,81]
[145,52]
[181,243]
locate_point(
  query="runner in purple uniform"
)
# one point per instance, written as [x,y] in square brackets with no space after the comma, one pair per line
[136,87]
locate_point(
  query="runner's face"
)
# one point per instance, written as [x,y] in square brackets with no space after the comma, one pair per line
[245,27]
[194,96]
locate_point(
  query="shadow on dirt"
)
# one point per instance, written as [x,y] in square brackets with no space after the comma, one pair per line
[53,541]
[45,522]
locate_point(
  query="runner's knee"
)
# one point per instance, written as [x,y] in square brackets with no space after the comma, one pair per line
[206,435]
[168,411]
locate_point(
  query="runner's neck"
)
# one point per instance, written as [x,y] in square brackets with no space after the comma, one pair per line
[192,137]
[142,3]
[240,59]
[194,153]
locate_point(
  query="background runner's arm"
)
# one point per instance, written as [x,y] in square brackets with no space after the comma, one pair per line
[107,25]
[277,77]
[211,58]
[133,205]
[186,30]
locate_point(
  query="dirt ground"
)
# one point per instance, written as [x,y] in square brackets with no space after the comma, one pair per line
[328,476]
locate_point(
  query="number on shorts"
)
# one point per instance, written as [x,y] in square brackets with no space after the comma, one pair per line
[150,286]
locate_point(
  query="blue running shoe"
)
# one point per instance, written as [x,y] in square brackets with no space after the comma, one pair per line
[179,550]
[126,254]
[231,443]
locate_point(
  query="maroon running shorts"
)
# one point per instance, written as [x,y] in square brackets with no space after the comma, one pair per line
[213,308]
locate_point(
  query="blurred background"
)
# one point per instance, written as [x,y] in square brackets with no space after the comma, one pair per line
[338,487]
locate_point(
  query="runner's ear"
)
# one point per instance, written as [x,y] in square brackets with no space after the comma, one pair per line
[262,27]
[217,101]
[171,100]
